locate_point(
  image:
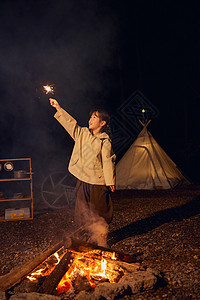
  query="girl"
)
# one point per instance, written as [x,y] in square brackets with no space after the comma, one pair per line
[93,164]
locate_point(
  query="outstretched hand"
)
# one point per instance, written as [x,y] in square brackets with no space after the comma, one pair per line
[54,103]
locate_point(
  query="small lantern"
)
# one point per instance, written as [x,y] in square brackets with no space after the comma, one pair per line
[8,166]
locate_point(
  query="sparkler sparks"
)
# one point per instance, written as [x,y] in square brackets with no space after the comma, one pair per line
[48,89]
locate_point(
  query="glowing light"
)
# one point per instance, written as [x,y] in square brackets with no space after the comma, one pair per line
[143,110]
[113,256]
[86,265]
[57,257]
[35,274]
[48,89]
[45,268]
[64,284]
[103,267]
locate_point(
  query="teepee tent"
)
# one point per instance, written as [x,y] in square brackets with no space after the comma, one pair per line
[146,166]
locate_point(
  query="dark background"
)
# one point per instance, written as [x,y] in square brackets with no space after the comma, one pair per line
[97,53]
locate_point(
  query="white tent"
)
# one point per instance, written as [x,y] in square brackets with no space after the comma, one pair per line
[146,166]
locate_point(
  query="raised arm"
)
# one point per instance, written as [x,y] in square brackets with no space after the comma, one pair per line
[66,120]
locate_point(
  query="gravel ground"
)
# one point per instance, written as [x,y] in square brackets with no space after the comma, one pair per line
[162,228]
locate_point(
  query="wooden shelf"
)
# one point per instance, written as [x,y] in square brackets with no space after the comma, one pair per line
[14,159]
[2,219]
[27,166]
[15,179]
[15,199]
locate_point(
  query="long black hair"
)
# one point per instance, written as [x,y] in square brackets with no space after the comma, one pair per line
[104,116]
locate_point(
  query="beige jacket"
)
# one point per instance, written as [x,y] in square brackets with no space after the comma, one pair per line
[92,159]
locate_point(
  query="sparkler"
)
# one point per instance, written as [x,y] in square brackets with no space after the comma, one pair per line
[48,89]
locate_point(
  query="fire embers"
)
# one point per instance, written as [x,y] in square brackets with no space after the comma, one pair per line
[84,272]
[46,268]
[87,272]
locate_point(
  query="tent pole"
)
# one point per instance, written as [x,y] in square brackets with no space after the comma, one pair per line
[143,124]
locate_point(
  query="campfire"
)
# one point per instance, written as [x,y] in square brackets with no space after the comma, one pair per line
[80,269]
[74,267]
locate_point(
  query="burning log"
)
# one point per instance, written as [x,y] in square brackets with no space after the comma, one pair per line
[130,267]
[51,282]
[80,246]
[93,263]
[81,268]
[14,276]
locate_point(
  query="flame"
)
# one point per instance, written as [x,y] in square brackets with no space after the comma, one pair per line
[58,257]
[103,267]
[46,268]
[113,256]
[35,274]
[87,265]
[110,255]
[49,89]
[64,285]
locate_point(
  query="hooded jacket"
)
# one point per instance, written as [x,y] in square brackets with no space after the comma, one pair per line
[92,159]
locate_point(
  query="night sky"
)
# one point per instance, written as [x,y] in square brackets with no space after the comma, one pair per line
[98,53]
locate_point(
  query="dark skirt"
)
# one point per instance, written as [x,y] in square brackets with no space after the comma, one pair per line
[92,200]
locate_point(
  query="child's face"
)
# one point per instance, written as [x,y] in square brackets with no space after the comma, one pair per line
[95,123]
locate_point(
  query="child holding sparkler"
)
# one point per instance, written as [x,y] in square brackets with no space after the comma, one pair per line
[93,164]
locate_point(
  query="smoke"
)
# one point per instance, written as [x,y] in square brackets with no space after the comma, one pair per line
[98,231]
[95,226]
[71,44]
